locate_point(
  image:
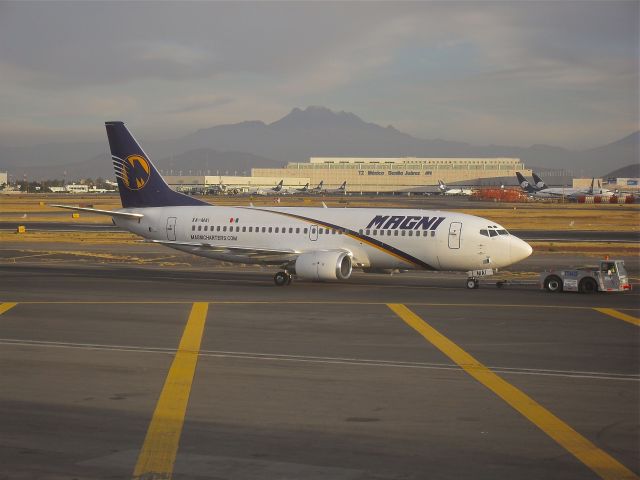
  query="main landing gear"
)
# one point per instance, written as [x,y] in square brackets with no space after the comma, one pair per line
[472,283]
[282,278]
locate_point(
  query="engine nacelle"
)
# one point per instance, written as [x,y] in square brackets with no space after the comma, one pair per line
[329,265]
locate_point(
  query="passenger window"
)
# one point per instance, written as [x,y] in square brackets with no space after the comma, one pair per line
[199,228]
[360,231]
[270,229]
[404,233]
[244,229]
[333,231]
[277,230]
[411,233]
[375,232]
[492,233]
[321,231]
[250,229]
[306,230]
[395,233]
[298,230]
[433,233]
[417,233]
[193,227]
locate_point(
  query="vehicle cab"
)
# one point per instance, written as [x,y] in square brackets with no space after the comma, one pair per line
[613,276]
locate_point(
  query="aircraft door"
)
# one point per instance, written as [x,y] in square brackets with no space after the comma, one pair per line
[313,233]
[455,231]
[171,228]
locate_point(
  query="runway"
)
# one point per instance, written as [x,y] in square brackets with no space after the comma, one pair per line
[529,235]
[403,377]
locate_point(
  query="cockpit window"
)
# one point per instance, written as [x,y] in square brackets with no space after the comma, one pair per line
[492,233]
[484,232]
[503,232]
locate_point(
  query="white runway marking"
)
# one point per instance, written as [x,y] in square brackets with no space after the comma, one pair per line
[323,360]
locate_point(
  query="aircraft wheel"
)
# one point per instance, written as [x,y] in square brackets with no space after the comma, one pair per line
[281,279]
[472,283]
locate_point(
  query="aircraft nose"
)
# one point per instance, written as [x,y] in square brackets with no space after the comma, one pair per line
[518,249]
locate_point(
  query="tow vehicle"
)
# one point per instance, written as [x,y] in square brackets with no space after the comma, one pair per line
[608,276]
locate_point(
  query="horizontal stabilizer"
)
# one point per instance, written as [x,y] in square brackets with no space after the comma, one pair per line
[102,212]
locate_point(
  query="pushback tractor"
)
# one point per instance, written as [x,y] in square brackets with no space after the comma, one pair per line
[608,276]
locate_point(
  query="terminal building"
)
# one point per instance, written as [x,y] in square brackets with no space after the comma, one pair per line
[403,174]
[370,175]
[235,184]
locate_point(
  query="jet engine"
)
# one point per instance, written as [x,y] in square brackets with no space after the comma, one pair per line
[330,265]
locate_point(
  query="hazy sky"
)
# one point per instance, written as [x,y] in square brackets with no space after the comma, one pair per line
[514,73]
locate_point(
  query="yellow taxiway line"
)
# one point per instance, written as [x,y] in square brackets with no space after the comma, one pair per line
[593,457]
[160,447]
[620,316]
[5,307]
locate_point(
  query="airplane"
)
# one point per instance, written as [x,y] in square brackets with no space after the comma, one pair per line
[541,190]
[599,190]
[268,191]
[221,189]
[318,189]
[342,189]
[312,243]
[593,190]
[444,190]
[303,189]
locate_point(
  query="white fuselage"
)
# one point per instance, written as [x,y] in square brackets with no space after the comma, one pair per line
[375,238]
[458,191]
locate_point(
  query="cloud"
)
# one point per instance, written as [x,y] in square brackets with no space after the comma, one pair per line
[425,66]
[197,103]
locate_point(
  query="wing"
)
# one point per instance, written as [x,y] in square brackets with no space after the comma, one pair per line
[253,253]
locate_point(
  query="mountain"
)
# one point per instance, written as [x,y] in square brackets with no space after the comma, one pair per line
[630,171]
[314,131]
[200,161]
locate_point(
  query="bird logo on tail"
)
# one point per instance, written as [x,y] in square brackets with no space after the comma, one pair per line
[134,171]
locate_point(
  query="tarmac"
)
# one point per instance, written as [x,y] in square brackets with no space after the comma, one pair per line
[168,369]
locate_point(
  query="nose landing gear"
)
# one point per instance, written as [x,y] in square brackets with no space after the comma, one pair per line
[282,278]
[472,283]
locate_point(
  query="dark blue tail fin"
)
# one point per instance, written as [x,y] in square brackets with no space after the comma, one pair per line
[139,182]
[524,183]
[540,185]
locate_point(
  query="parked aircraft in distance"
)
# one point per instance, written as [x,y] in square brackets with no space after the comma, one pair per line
[277,190]
[342,189]
[444,190]
[303,189]
[306,242]
[541,190]
[221,189]
[318,189]
[296,191]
